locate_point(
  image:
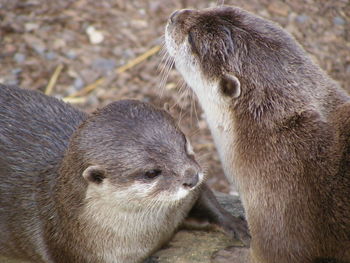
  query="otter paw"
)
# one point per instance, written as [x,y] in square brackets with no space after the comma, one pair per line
[237,227]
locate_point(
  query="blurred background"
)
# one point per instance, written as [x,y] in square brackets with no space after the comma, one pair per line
[90,53]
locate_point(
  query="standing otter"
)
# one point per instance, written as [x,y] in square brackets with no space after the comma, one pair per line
[281,127]
[110,187]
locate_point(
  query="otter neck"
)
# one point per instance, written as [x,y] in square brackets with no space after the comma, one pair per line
[217,114]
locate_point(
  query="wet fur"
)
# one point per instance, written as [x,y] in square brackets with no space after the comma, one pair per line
[284,140]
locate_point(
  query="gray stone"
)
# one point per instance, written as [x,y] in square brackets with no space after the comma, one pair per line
[19,57]
[78,83]
[50,55]
[16,71]
[339,21]
[104,65]
[71,54]
[12,81]
[194,246]
[301,18]
[39,49]
[89,75]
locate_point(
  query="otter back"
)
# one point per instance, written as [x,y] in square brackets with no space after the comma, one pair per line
[34,133]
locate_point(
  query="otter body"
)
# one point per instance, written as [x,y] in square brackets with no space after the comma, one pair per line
[281,126]
[110,187]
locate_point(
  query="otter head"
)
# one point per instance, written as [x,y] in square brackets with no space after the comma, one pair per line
[228,55]
[131,155]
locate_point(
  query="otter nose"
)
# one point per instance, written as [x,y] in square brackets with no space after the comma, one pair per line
[179,14]
[191,181]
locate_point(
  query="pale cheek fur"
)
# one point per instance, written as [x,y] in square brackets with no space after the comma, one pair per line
[130,194]
[136,223]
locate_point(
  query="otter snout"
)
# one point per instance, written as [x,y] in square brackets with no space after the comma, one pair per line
[191,179]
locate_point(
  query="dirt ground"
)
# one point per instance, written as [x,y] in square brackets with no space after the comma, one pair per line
[85,40]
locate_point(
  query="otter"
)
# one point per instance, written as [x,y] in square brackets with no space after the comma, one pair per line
[281,127]
[109,187]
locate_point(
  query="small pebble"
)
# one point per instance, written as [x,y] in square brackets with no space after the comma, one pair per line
[59,43]
[12,82]
[142,11]
[50,55]
[301,18]
[19,57]
[71,54]
[146,99]
[9,49]
[104,65]
[78,83]
[16,71]
[39,49]
[339,21]
[89,75]
[95,36]
[31,27]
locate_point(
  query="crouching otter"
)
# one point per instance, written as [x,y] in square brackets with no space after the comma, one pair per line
[109,187]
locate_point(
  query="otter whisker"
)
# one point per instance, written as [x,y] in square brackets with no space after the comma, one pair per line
[167,67]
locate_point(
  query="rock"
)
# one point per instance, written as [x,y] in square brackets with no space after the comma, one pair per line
[230,255]
[301,19]
[16,71]
[59,43]
[9,49]
[199,246]
[11,80]
[104,65]
[139,24]
[71,54]
[339,21]
[95,36]
[50,55]
[31,27]
[37,44]
[78,83]
[89,75]
[19,57]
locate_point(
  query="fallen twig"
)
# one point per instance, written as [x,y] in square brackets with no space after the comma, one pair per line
[53,79]
[74,100]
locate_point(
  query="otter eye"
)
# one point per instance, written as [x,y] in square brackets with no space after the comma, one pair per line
[152,173]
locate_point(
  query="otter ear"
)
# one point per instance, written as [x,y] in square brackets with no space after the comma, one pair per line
[230,86]
[94,174]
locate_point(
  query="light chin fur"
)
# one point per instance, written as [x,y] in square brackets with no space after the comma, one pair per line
[136,221]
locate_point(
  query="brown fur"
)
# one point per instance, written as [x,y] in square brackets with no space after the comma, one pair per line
[284,139]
